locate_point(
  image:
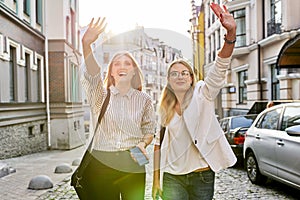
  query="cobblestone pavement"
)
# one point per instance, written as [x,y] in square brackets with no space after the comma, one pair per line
[231,184]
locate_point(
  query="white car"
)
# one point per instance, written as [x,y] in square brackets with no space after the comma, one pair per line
[272,146]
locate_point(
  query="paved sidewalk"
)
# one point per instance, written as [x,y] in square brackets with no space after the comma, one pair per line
[14,186]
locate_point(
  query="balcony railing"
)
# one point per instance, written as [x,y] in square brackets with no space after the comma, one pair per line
[273,27]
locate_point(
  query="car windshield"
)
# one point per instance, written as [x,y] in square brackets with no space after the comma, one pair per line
[242,121]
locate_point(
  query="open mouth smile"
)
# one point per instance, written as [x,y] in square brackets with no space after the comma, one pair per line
[122,74]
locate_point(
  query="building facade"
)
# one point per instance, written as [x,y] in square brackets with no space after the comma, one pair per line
[64,59]
[40,101]
[265,64]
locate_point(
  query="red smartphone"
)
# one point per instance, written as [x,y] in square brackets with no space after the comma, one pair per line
[139,156]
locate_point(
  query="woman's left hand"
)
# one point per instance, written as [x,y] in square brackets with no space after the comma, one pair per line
[225,17]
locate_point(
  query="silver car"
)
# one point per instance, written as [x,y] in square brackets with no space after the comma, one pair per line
[272,146]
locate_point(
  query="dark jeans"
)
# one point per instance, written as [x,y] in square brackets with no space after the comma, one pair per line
[192,186]
[109,181]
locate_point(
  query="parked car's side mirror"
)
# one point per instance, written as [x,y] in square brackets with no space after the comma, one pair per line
[293,130]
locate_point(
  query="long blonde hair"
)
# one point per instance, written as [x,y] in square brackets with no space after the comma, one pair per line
[168,99]
[137,80]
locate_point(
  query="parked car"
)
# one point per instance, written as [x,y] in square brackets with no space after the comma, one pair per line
[234,128]
[272,146]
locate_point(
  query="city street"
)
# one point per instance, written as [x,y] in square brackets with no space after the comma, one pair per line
[231,184]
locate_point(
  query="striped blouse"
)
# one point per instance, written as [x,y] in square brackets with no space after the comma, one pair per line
[127,120]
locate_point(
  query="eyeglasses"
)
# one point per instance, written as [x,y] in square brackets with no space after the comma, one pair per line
[175,74]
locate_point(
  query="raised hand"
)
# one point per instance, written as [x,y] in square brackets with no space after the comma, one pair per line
[229,24]
[224,16]
[93,31]
[90,36]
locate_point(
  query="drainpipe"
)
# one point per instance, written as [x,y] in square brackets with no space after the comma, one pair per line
[47,78]
[264,19]
[259,52]
[259,72]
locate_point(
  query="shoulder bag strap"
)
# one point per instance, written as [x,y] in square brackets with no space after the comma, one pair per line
[88,156]
[162,134]
[103,109]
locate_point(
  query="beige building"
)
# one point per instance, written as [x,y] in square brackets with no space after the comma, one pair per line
[266,59]
[40,98]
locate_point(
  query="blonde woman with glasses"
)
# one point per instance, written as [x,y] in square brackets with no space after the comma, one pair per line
[194,146]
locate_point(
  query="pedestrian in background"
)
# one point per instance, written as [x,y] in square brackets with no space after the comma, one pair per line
[194,146]
[128,122]
[270,104]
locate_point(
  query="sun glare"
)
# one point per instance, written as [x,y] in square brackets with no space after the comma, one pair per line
[120,17]
[118,25]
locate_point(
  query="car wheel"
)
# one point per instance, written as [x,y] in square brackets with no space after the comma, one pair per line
[253,172]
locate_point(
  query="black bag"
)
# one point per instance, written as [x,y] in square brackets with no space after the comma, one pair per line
[78,178]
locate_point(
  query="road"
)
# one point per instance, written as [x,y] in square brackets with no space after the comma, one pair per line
[231,184]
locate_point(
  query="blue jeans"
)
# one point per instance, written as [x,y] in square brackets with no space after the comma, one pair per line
[192,186]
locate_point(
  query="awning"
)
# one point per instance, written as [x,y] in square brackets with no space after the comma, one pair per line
[289,56]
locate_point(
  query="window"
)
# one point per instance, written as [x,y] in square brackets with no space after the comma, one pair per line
[12,73]
[224,125]
[276,11]
[73,29]
[68,28]
[242,77]
[271,119]
[275,90]
[242,121]
[240,18]
[274,24]
[39,12]
[42,128]
[219,39]
[209,49]
[26,7]
[213,49]
[74,83]
[291,117]
[30,131]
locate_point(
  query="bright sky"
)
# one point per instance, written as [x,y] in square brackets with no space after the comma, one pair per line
[169,16]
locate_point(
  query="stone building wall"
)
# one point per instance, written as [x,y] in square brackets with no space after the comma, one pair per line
[23,139]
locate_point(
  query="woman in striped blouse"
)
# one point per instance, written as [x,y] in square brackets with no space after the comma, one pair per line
[128,122]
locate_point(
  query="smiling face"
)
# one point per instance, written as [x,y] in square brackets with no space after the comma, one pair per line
[122,69]
[180,78]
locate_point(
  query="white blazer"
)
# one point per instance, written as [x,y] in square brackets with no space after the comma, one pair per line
[202,123]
